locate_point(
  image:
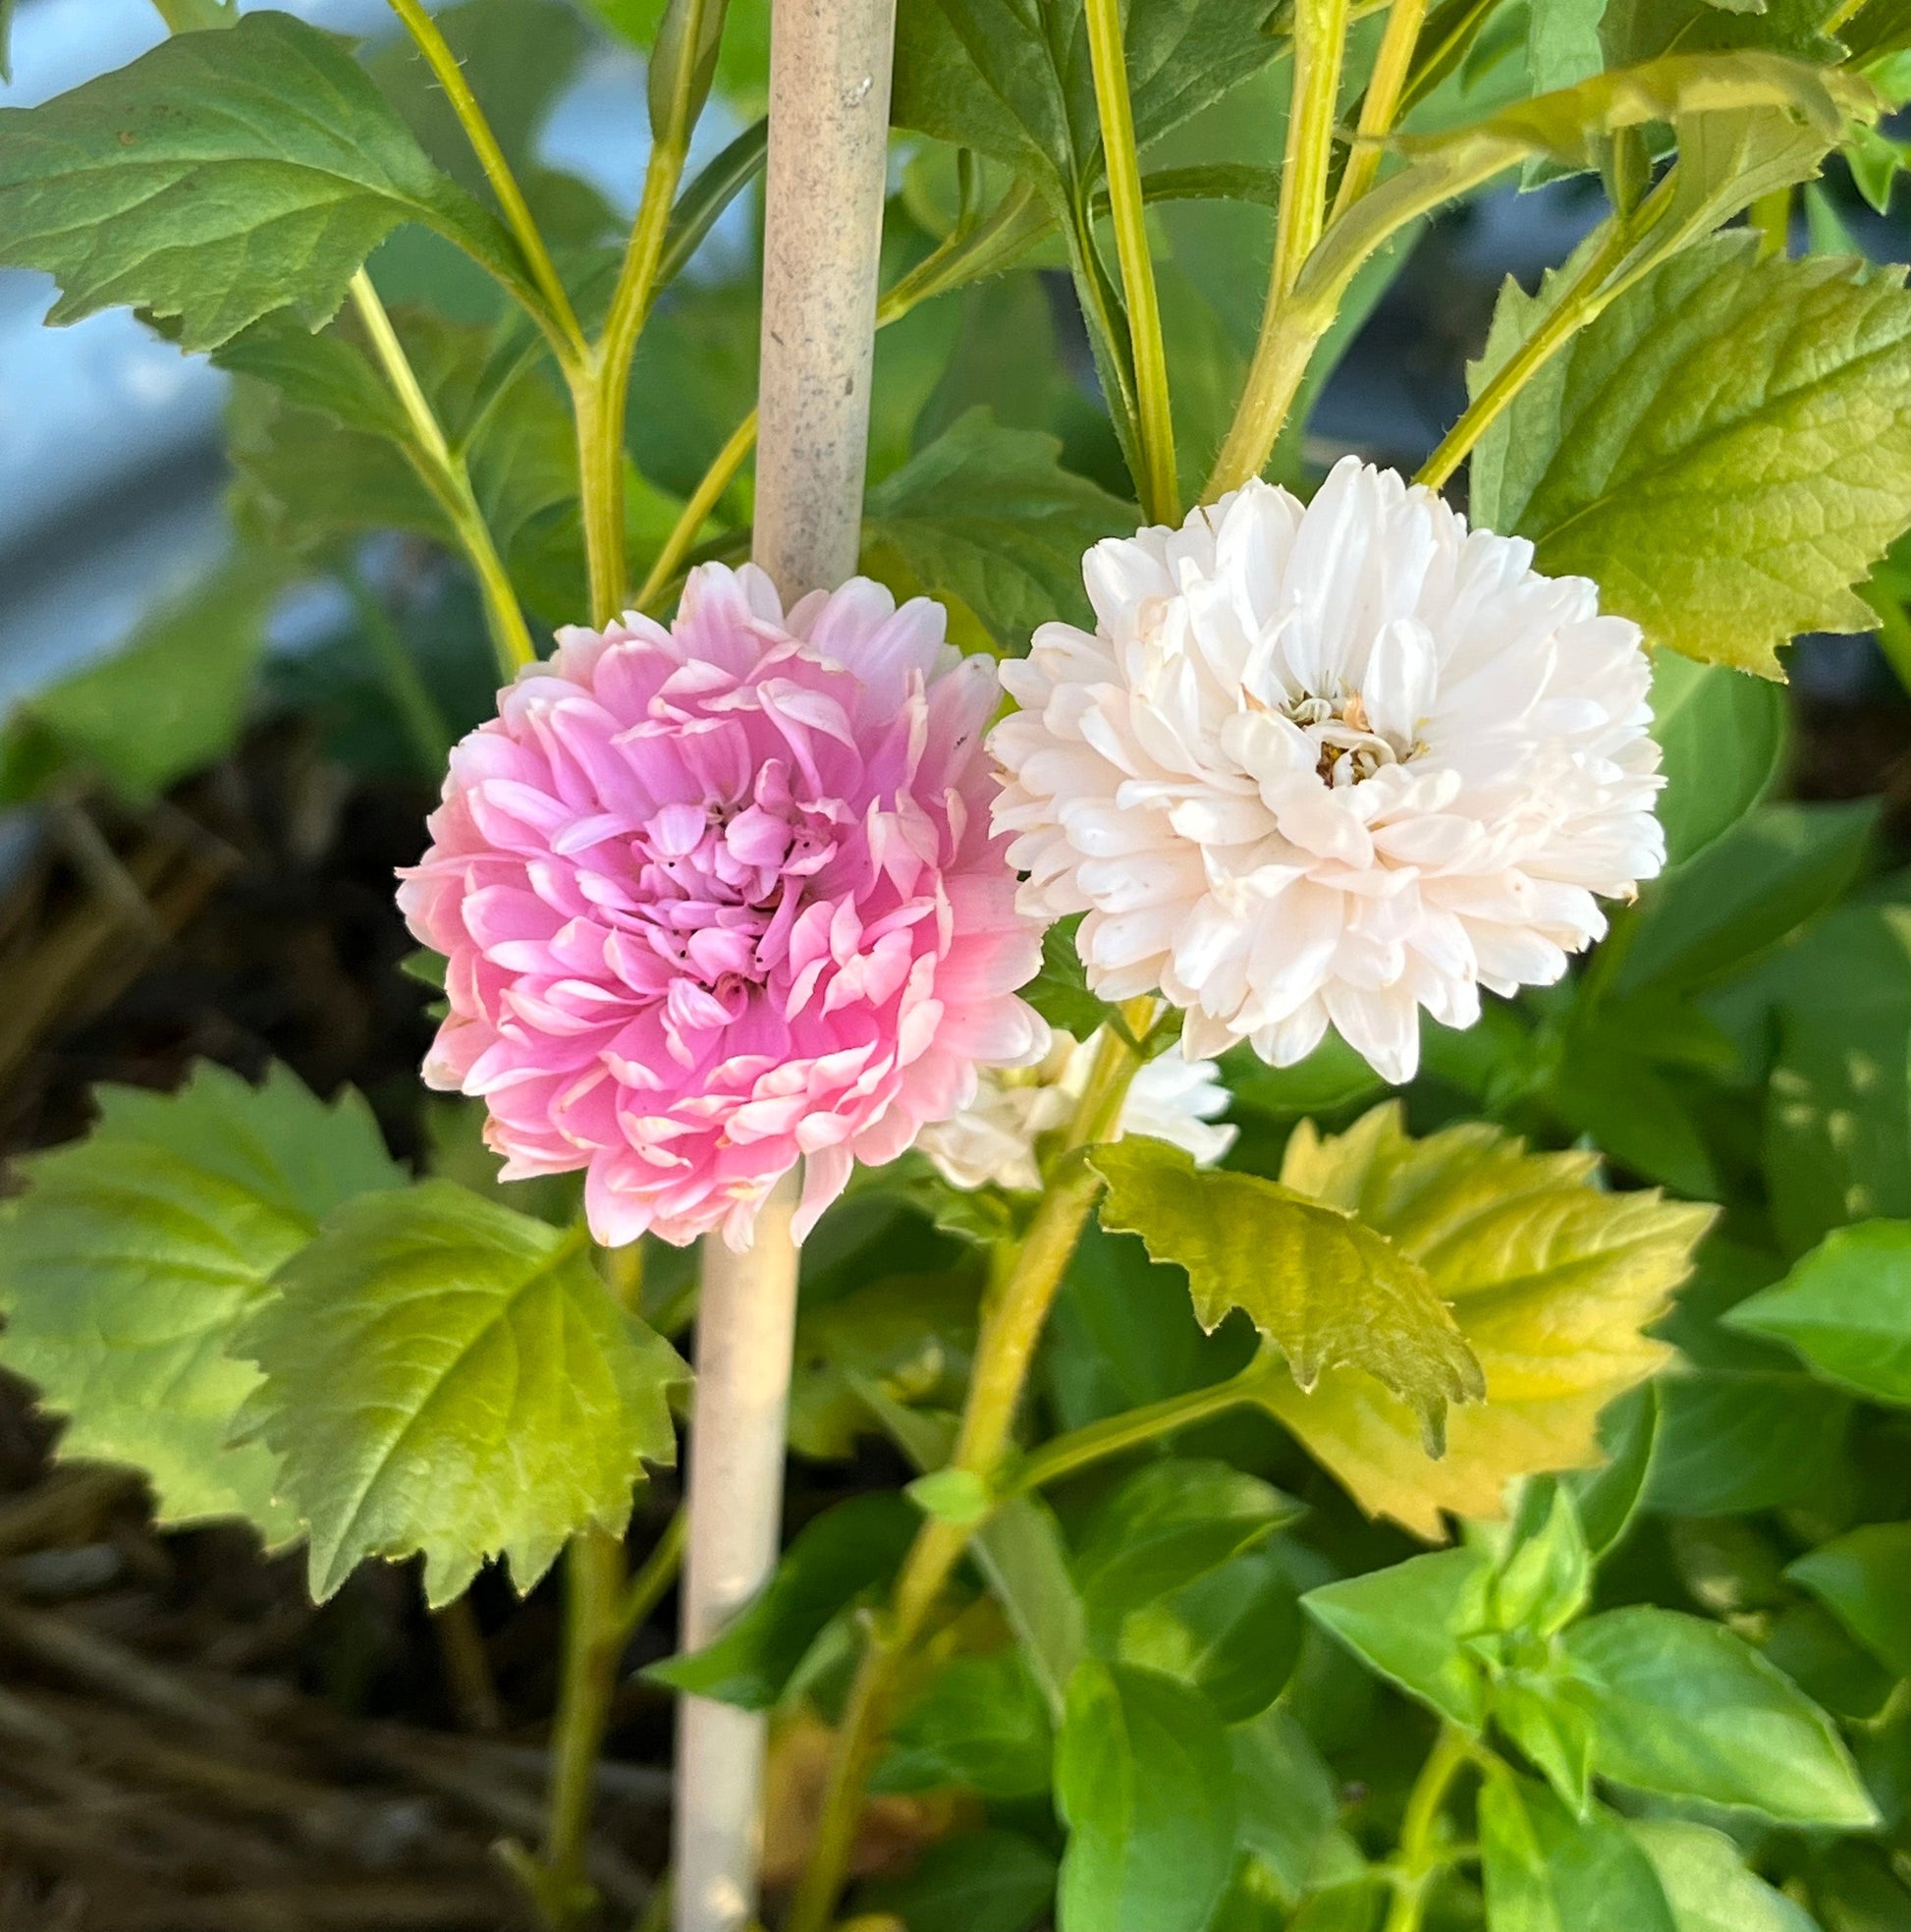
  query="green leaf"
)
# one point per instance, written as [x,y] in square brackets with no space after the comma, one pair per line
[1550,1278]
[1721,450]
[1723,736]
[1607,1498]
[1846,1309]
[1059,991]
[1547,1575]
[135,1254]
[1837,1140]
[220,177]
[1169,1523]
[1408,1622]
[1020,1552]
[1772,872]
[987,516]
[171,703]
[1332,1078]
[1686,1709]
[989,74]
[833,1559]
[1707,1885]
[1864,1579]
[981,1722]
[444,1376]
[1327,1289]
[1743,1427]
[959,1497]
[989,1881]
[1290,1805]
[1234,1634]
[1562,44]
[1549,1871]
[1145,1781]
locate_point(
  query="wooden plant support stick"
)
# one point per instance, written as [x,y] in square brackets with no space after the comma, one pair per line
[829,126]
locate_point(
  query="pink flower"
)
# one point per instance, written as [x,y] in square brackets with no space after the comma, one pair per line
[719,896]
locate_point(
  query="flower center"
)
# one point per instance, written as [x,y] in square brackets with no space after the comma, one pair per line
[1350,749]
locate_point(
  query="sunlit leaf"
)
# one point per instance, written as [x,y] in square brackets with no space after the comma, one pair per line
[136,1253]
[1846,1309]
[1551,1280]
[445,1375]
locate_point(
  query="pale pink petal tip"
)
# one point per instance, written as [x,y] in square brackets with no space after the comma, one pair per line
[721,898]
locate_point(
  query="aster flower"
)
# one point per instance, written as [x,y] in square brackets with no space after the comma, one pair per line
[1327,766]
[722,897]
[992,1138]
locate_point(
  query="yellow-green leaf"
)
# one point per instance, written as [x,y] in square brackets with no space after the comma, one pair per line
[1328,1289]
[1551,1280]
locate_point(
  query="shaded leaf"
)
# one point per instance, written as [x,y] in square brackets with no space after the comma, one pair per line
[1020,1552]
[987,516]
[1319,1282]
[1864,1577]
[989,1881]
[220,177]
[833,1559]
[445,1375]
[129,1266]
[1145,1781]
[980,1722]
[1547,1870]
[1233,1635]
[1551,1280]
[1723,736]
[1846,1309]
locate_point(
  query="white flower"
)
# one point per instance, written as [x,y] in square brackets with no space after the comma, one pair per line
[993,1138]
[1327,766]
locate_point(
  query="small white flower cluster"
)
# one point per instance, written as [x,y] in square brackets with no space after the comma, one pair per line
[992,1138]
[1327,766]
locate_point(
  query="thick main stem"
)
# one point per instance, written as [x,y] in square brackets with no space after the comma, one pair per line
[823,219]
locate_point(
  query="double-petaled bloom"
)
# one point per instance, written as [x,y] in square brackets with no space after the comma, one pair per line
[722,897]
[1329,766]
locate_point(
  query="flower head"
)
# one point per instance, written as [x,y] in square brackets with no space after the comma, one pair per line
[1329,765]
[992,1138]
[724,896]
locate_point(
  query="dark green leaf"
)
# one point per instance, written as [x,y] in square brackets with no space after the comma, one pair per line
[981,1722]
[1686,1709]
[444,1376]
[1234,1634]
[1846,1309]
[1059,991]
[1146,1783]
[1771,873]
[1549,1871]
[136,1253]
[1722,735]
[833,1559]
[1331,1079]
[990,1881]
[1325,1289]
[1863,1576]
[987,516]
[1020,1550]
[1170,1522]
[1607,1497]
[220,177]
[1408,1623]
[1290,1805]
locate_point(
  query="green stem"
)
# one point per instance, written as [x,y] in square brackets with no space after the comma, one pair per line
[1577,306]
[601,392]
[646,1588]
[445,475]
[431,43]
[1116,1435]
[1382,100]
[593,1644]
[1290,330]
[1155,421]
[696,511]
[1012,1327]
[1422,1858]
[1319,43]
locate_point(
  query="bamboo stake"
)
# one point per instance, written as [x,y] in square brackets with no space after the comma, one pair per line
[829,123]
